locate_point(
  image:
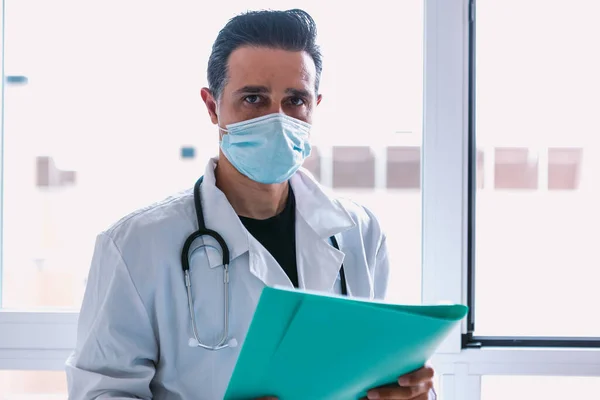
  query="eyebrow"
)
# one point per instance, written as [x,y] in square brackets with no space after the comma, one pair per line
[252,90]
[297,92]
[264,89]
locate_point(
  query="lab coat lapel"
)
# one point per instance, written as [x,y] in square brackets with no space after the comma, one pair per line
[318,217]
[318,261]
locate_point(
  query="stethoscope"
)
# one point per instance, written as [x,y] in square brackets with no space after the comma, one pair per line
[225,341]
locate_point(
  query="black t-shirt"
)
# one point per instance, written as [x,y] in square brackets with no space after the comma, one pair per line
[278,235]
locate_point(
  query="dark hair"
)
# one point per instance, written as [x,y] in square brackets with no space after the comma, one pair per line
[292,30]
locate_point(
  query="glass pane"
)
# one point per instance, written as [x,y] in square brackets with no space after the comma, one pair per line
[110,119]
[33,385]
[538,169]
[539,387]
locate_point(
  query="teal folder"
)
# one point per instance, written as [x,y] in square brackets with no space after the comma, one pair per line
[310,346]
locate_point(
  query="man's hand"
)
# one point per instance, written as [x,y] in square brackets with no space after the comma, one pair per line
[413,386]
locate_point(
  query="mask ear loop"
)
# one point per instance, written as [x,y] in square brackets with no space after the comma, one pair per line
[221,129]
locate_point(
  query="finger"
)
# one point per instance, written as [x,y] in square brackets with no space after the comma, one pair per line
[419,376]
[400,393]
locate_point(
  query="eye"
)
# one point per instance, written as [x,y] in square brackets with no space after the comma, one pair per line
[252,99]
[297,101]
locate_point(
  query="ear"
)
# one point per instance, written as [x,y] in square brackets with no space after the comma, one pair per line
[319,98]
[211,104]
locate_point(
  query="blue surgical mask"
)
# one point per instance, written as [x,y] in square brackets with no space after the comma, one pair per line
[267,149]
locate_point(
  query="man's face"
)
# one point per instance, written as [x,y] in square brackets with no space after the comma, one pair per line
[263,81]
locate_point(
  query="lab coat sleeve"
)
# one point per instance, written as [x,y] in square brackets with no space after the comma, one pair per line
[381,271]
[116,349]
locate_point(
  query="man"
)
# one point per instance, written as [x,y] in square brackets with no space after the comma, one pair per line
[278,224]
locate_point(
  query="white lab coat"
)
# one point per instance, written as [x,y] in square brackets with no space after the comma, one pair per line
[134,325]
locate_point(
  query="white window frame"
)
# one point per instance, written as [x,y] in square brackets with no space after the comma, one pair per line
[445,215]
[43,340]
[36,340]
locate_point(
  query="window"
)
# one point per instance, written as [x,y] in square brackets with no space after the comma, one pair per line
[535,93]
[33,385]
[108,120]
[516,168]
[403,167]
[480,174]
[564,168]
[353,167]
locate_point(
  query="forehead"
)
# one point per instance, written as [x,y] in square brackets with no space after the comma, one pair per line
[274,68]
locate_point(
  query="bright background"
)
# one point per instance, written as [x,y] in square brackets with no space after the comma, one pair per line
[112,97]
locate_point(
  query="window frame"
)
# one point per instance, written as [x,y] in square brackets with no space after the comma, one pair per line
[43,340]
[470,339]
[447,241]
[36,340]
[2,73]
